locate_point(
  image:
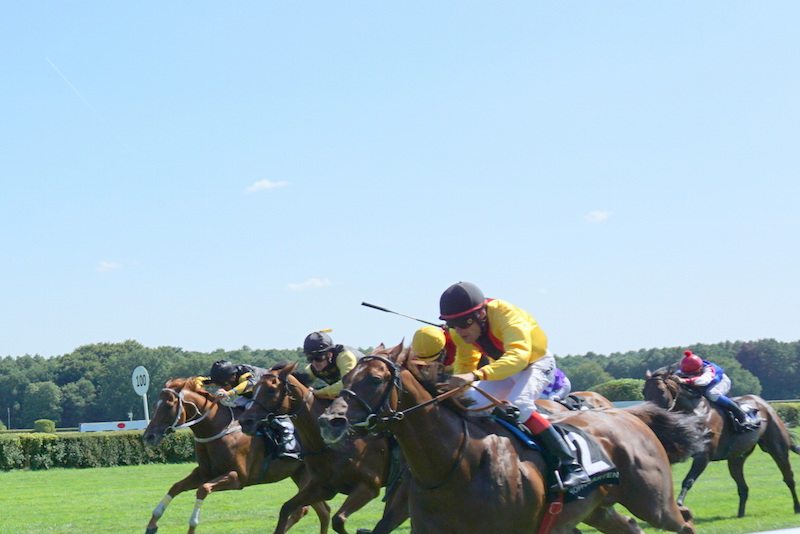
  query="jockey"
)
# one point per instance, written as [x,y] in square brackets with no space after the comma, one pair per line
[434,344]
[237,384]
[712,381]
[519,366]
[328,362]
[559,388]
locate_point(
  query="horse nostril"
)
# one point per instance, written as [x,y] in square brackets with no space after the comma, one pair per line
[337,422]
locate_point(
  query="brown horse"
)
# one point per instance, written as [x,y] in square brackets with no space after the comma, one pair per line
[226,457]
[359,471]
[470,470]
[663,388]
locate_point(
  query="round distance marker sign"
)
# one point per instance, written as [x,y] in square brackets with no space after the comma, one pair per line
[140,380]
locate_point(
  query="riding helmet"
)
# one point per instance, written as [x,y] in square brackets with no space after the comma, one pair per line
[317,342]
[691,363]
[428,342]
[459,300]
[221,371]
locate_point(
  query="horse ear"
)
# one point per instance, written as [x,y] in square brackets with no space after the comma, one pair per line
[402,357]
[287,370]
[648,374]
[395,351]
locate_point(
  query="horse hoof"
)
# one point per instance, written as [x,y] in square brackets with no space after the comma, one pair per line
[363,531]
[151,530]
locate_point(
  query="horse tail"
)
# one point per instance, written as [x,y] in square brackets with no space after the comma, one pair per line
[681,435]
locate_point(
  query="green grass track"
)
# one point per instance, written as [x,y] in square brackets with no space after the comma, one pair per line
[120,499]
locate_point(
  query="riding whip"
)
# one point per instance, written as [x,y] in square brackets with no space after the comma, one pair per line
[368,305]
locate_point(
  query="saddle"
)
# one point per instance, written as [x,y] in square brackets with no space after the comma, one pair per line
[573,403]
[590,455]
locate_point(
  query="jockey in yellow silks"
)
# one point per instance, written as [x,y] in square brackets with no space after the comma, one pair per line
[503,350]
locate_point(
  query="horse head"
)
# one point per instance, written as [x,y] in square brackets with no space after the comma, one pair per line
[369,397]
[663,388]
[181,403]
[272,396]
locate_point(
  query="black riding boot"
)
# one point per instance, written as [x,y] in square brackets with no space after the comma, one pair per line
[570,471]
[734,408]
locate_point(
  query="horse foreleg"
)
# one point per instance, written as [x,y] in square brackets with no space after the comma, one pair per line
[396,510]
[360,496]
[322,508]
[307,495]
[699,464]
[227,481]
[736,469]
[193,480]
[607,519]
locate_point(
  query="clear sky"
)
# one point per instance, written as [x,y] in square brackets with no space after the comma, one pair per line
[208,175]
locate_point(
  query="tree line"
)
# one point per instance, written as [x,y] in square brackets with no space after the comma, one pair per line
[93,383]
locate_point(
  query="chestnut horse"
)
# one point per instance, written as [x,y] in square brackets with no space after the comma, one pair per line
[663,388]
[226,458]
[469,474]
[359,471]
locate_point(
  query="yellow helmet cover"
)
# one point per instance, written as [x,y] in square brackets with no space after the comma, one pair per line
[428,342]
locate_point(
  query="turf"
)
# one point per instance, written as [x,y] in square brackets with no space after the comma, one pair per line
[120,499]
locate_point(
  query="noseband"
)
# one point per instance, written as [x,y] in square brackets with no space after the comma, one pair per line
[198,416]
[373,419]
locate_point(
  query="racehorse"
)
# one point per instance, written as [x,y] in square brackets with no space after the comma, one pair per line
[469,472]
[359,471]
[226,457]
[663,388]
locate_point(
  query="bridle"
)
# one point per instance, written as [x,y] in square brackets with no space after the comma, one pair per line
[286,391]
[198,416]
[672,386]
[374,422]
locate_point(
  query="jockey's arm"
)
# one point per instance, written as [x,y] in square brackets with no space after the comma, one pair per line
[245,385]
[703,379]
[522,344]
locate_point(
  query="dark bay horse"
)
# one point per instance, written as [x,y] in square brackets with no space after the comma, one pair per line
[359,471]
[724,443]
[469,475]
[226,457]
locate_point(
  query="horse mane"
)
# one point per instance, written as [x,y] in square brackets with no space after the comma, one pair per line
[682,435]
[189,383]
[303,377]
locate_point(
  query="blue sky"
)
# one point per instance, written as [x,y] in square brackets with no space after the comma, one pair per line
[209,176]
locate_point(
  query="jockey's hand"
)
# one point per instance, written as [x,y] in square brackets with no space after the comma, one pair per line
[221,394]
[461,379]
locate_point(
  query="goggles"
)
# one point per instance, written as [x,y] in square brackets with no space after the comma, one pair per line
[317,357]
[461,322]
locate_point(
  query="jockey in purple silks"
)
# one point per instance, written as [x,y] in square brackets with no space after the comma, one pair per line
[559,388]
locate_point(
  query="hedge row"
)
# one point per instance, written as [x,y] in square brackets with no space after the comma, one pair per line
[789,412]
[91,449]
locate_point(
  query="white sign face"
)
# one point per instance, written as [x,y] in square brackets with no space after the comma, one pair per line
[141,380]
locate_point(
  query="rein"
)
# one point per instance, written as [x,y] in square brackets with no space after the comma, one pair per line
[374,419]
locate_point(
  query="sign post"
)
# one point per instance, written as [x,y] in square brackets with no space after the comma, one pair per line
[141,381]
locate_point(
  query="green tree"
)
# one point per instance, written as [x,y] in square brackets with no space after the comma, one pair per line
[586,375]
[41,400]
[776,364]
[77,402]
[623,389]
